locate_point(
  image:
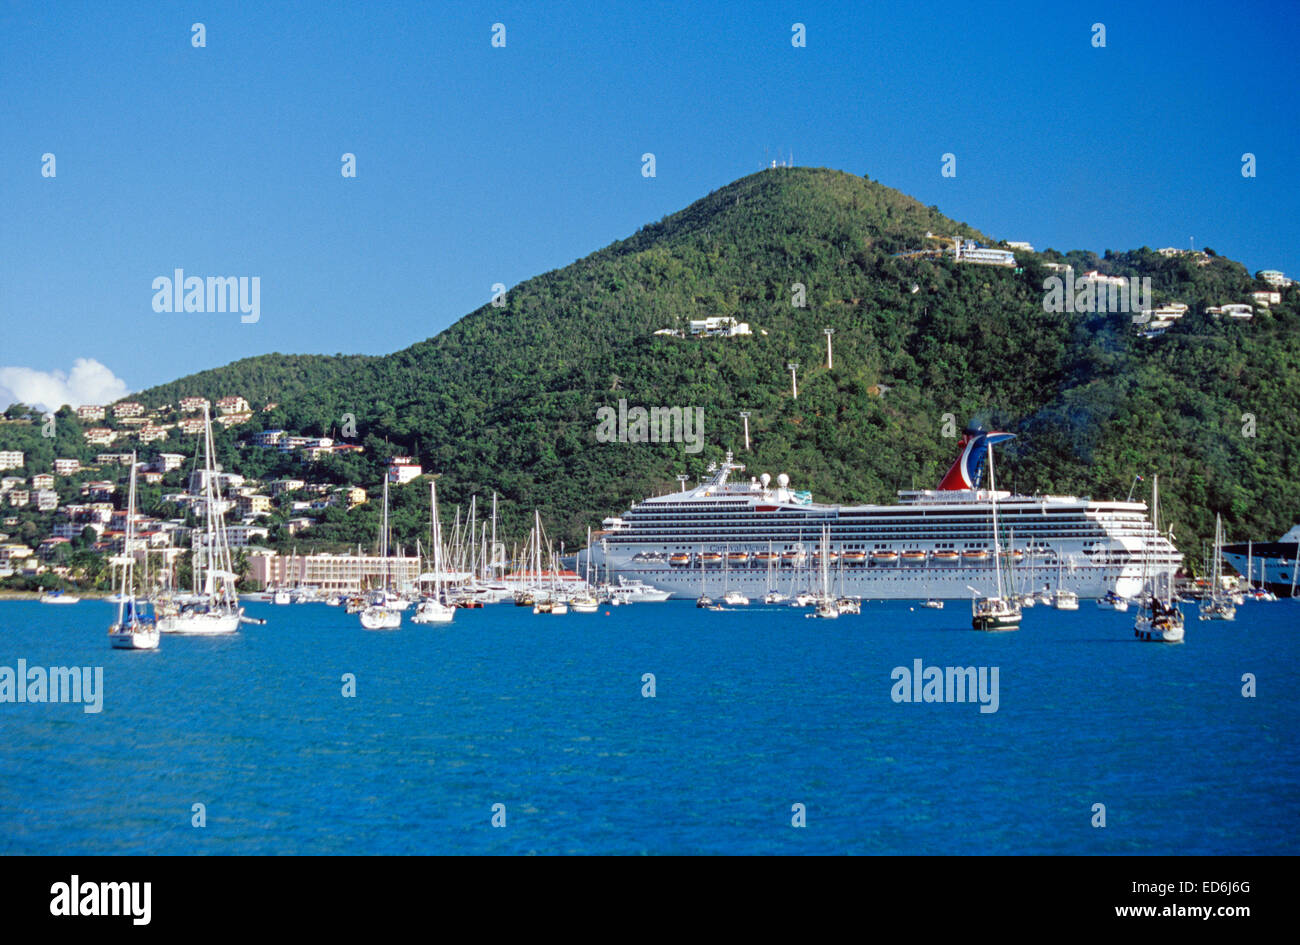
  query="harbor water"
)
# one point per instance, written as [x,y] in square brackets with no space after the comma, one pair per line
[760,718]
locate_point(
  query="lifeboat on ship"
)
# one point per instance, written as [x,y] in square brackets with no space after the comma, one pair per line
[914,557]
[737,557]
[975,554]
[679,559]
[711,557]
[855,557]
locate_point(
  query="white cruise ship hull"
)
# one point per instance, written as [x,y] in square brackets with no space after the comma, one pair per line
[892,583]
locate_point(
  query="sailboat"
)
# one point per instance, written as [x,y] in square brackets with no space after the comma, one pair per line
[1000,612]
[1063,599]
[432,609]
[379,615]
[827,608]
[214,608]
[1260,593]
[1159,620]
[773,596]
[133,630]
[1217,606]
[704,600]
[730,596]
[584,601]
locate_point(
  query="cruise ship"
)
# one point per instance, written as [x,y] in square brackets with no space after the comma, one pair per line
[755,535]
[1271,564]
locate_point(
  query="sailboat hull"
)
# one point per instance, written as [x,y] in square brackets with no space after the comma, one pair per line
[200,625]
[137,639]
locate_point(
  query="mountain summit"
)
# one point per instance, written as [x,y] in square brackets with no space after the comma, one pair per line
[509,397]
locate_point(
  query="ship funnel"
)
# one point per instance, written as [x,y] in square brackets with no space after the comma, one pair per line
[965,471]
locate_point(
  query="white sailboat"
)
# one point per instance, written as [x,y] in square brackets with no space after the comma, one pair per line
[133,629]
[773,596]
[431,609]
[730,596]
[379,614]
[1063,599]
[827,608]
[1001,611]
[214,607]
[1218,605]
[1159,620]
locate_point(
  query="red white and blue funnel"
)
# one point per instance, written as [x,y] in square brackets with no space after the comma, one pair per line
[965,472]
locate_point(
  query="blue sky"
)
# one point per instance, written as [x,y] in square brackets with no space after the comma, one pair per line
[478,165]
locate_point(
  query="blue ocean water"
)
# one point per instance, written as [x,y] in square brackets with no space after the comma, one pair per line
[755,711]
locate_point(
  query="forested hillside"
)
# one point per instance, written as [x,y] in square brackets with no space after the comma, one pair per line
[507,398]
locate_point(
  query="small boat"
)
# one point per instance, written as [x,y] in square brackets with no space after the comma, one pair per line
[914,557]
[933,603]
[379,617]
[679,560]
[737,557]
[1065,600]
[848,605]
[58,597]
[584,604]
[775,597]
[1218,605]
[559,606]
[281,596]
[804,599]
[946,556]
[827,609]
[433,611]
[854,557]
[995,614]
[134,630]
[766,556]
[975,554]
[637,592]
[381,613]
[1001,611]
[704,601]
[711,557]
[1112,601]
[735,599]
[1159,620]
[1027,600]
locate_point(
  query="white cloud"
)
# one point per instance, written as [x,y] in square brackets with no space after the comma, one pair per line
[89,382]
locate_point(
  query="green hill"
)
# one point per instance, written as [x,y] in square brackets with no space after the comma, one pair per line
[507,397]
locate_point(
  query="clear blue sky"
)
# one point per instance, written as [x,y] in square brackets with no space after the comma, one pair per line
[479,165]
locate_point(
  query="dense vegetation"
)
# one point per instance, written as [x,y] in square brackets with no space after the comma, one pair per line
[506,398]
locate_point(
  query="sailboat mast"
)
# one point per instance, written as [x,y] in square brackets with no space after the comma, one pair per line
[993,497]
